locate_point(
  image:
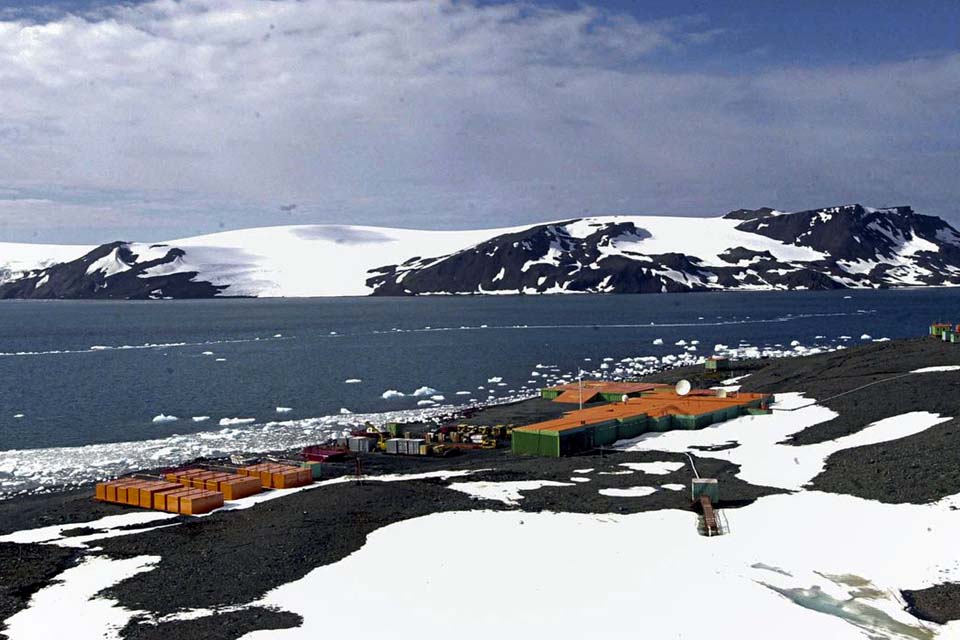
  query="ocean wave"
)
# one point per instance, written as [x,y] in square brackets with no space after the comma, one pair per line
[790,317]
[101,348]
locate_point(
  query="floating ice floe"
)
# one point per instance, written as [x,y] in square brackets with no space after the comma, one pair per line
[200,418]
[865,336]
[392,393]
[164,419]
[673,487]
[495,379]
[658,341]
[18,415]
[437,398]
[352,381]
[220,360]
[284,409]
[424,391]
[207,353]
[344,411]
[506,492]
[579,479]
[226,422]
[425,403]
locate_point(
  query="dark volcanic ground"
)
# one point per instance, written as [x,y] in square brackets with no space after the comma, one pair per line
[320,526]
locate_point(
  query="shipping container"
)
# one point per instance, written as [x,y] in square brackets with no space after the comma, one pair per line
[361,444]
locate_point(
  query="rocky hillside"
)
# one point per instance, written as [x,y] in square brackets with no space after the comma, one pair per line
[114,271]
[849,246]
[833,248]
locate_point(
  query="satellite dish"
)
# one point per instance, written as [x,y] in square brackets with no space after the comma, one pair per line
[624,398]
[683,387]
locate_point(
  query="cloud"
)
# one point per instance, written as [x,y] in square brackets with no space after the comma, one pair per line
[426,113]
[30,213]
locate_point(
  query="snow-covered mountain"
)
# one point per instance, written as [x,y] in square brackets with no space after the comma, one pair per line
[847,246]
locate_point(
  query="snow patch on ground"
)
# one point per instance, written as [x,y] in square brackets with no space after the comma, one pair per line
[68,607]
[55,532]
[952,367]
[811,542]
[506,492]
[629,492]
[654,468]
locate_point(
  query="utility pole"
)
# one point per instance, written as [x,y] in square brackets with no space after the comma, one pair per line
[580,386]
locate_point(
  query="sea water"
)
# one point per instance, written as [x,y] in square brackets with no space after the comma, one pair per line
[91,380]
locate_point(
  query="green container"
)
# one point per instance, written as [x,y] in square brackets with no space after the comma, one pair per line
[606,433]
[705,486]
[316,469]
[549,394]
[535,443]
[633,427]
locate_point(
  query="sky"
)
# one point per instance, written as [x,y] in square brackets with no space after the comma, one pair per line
[160,120]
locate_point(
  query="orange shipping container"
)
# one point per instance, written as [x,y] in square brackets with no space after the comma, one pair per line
[149,494]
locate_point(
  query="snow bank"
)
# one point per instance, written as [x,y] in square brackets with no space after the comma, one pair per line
[762,460]
[796,541]
[68,607]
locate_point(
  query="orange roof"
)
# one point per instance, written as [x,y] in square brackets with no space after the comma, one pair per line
[574,396]
[660,403]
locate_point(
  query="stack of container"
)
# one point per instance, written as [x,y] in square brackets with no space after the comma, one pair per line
[231,485]
[160,495]
[360,444]
[278,476]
